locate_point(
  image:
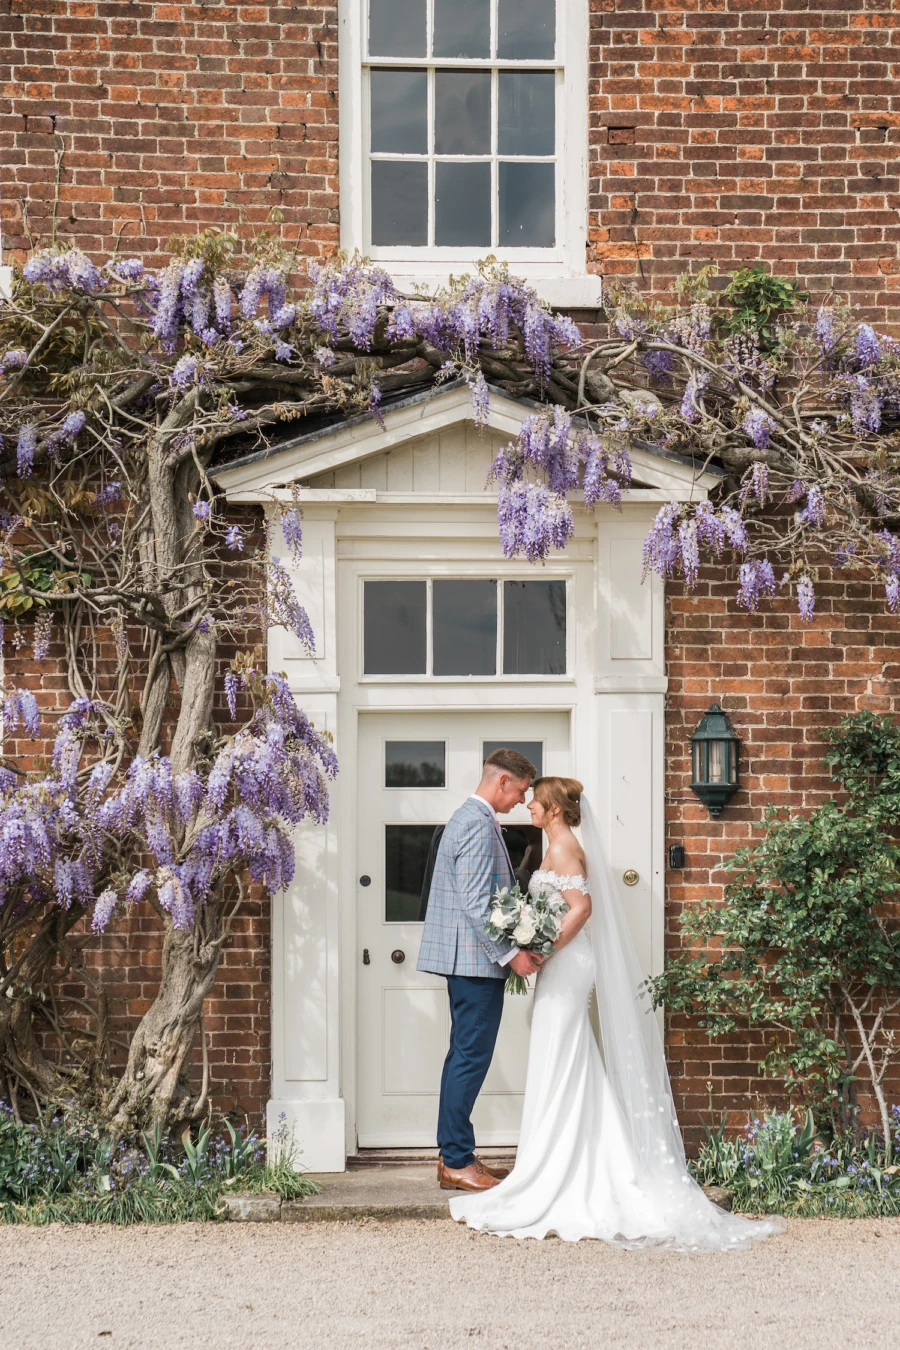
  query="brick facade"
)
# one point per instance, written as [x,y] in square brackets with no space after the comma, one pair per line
[724,130]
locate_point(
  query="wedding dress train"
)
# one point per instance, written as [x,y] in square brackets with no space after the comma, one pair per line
[583,1168]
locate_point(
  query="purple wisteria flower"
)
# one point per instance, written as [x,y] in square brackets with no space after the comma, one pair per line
[231,692]
[814,511]
[234,538]
[41,641]
[103,909]
[14,359]
[126,269]
[759,427]
[56,271]
[26,448]
[806,598]
[867,347]
[263,282]
[283,351]
[284,607]
[481,399]
[201,510]
[184,372]
[865,407]
[292,530]
[532,521]
[756,578]
[20,708]
[826,330]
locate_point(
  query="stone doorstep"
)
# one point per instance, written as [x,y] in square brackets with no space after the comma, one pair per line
[410,1192]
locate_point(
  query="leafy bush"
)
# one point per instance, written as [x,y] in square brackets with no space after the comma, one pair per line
[781,1165]
[807,942]
[69,1170]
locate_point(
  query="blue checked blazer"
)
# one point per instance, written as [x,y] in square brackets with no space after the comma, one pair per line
[472,862]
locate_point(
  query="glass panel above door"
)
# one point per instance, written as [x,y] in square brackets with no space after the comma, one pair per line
[394,621]
[405,855]
[415,764]
[533,750]
[534,628]
[464,627]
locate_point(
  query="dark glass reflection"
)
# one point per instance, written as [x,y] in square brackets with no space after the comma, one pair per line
[462,112]
[399,111]
[397,27]
[405,855]
[525,845]
[533,750]
[464,627]
[399,202]
[420,764]
[527,205]
[394,628]
[534,627]
[462,28]
[462,204]
[527,112]
[526,29]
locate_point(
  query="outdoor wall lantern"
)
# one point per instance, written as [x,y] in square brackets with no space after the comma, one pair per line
[715,747]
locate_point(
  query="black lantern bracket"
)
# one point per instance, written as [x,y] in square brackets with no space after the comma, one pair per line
[715,755]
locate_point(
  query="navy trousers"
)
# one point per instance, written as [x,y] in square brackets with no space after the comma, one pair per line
[476,1006]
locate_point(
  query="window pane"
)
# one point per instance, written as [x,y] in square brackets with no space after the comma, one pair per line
[464,622]
[534,628]
[415,764]
[397,27]
[394,628]
[527,112]
[527,205]
[399,103]
[526,29]
[462,28]
[462,204]
[405,855]
[462,112]
[533,750]
[399,202]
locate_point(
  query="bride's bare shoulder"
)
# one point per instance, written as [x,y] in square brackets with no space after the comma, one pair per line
[565,857]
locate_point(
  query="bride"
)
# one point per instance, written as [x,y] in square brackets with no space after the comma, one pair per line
[600,1153]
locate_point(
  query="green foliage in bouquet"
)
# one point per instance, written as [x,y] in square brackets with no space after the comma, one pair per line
[531,922]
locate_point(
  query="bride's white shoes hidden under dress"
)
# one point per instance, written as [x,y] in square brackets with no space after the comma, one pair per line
[578,1173]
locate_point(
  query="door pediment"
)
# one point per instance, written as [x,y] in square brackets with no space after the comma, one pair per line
[426,445]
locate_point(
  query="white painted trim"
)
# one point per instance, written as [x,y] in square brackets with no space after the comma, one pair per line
[560,273]
[631,684]
[350,444]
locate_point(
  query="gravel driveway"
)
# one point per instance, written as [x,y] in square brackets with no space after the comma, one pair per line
[436,1286]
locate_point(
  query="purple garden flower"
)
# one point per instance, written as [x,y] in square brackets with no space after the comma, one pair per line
[755,579]
[25,450]
[759,427]
[806,598]
[201,510]
[867,347]
[234,538]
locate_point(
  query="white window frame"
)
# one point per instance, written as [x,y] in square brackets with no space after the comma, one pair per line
[559,273]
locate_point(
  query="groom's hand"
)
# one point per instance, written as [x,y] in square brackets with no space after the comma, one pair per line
[523,963]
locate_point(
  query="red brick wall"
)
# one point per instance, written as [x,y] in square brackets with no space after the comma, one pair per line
[782,682]
[734,130]
[170,117]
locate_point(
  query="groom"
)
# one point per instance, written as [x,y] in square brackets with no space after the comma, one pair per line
[472,862]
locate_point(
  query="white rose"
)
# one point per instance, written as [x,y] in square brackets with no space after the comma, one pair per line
[523,933]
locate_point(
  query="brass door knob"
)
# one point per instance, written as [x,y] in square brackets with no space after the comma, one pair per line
[398,957]
[631,877]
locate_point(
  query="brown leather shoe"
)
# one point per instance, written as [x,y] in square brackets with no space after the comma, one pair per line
[501,1173]
[471,1178]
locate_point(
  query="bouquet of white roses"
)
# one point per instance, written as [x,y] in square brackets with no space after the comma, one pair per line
[532,922]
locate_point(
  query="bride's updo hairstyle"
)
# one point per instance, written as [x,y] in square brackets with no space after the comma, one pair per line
[564,793]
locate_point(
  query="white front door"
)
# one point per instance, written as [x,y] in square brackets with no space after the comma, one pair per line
[414,770]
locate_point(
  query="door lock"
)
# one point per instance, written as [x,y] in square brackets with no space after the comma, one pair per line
[367,960]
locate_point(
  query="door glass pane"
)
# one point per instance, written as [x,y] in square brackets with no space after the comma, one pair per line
[397,27]
[464,624]
[399,202]
[462,28]
[394,628]
[534,628]
[415,764]
[533,750]
[526,29]
[462,205]
[527,205]
[526,846]
[462,112]
[405,855]
[399,104]
[527,112]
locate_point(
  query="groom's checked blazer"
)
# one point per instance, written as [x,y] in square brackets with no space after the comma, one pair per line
[472,862]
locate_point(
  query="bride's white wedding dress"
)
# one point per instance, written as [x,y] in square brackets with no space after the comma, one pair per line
[580,1170]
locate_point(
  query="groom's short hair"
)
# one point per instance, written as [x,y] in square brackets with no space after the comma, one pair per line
[510,761]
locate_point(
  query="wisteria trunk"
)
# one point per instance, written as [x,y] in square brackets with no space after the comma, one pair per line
[155,1087]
